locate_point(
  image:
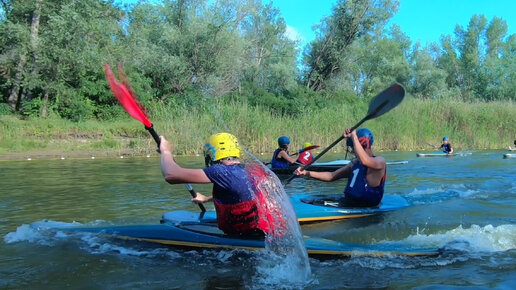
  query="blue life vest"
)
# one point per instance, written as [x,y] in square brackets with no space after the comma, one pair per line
[278,163]
[358,190]
[446,148]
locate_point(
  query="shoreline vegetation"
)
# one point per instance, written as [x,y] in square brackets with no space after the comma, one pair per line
[412,126]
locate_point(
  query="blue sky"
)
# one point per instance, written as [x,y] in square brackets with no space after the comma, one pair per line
[421,20]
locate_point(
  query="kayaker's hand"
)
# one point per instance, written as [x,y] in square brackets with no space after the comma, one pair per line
[300,172]
[348,133]
[165,146]
[200,198]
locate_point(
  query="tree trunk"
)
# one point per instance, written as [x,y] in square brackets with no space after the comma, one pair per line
[44,105]
[34,41]
[14,96]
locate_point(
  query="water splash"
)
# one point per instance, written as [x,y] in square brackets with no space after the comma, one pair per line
[288,262]
[440,193]
[476,238]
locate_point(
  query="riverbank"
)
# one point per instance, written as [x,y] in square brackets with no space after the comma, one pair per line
[412,126]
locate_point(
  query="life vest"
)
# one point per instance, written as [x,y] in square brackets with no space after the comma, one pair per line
[446,148]
[359,190]
[238,218]
[305,157]
[278,162]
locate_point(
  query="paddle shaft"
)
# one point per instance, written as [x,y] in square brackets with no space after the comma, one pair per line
[369,116]
[188,186]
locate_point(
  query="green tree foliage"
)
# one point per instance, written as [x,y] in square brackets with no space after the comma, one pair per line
[351,20]
[57,62]
[480,60]
[177,52]
[270,57]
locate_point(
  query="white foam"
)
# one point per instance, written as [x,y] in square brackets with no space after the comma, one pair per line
[273,272]
[24,233]
[473,239]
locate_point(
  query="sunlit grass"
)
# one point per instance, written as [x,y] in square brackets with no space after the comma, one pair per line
[412,125]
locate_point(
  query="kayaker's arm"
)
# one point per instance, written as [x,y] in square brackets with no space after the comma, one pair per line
[326,176]
[375,163]
[174,173]
[287,157]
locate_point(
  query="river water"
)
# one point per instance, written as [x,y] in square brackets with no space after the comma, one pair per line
[464,205]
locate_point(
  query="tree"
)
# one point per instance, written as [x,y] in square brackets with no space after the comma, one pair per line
[349,21]
[270,57]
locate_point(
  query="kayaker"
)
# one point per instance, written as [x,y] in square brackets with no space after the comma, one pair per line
[446,146]
[280,157]
[366,173]
[234,193]
[305,154]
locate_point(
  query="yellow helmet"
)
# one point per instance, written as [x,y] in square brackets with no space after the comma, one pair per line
[220,146]
[306,144]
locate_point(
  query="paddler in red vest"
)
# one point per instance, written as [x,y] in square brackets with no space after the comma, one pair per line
[305,154]
[280,157]
[234,194]
[365,174]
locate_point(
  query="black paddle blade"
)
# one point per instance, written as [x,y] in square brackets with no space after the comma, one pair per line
[386,100]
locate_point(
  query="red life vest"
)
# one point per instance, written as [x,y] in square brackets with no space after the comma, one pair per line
[246,216]
[238,218]
[305,157]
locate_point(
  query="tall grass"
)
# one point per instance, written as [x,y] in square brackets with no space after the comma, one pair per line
[410,126]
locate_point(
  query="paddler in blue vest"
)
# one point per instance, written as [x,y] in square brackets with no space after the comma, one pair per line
[234,193]
[366,173]
[280,157]
[446,146]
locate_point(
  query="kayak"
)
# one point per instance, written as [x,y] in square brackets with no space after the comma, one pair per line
[325,207]
[509,155]
[314,208]
[324,166]
[194,234]
[435,154]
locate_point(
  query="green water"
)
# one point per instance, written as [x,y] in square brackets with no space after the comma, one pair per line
[463,205]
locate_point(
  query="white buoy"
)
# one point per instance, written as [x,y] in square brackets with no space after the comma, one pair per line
[92,157]
[29,158]
[148,155]
[62,158]
[121,156]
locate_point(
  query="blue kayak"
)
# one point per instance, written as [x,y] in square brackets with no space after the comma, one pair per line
[189,232]
[435,154]
[316,208]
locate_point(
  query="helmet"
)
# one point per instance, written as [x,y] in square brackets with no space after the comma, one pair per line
[283,140]
[220,146]
[445,138]
[306,144]
[365,137]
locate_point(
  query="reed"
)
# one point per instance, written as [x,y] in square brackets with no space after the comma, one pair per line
[410,126]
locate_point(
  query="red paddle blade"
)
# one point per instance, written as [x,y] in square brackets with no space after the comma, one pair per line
[311,147]
[124,96]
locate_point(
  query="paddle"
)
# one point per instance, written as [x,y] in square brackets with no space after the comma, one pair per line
[435,147]
[127,98]
[379,105]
